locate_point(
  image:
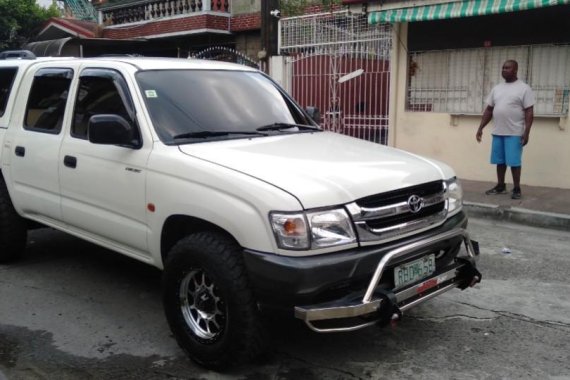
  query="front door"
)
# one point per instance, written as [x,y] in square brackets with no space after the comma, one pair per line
[103,186]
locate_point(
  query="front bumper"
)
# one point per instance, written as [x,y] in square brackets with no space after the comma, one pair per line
[381,305]
[356,286]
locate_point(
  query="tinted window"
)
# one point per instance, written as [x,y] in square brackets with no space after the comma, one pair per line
[186,101]
[46,103]
[7,75]
[96,95]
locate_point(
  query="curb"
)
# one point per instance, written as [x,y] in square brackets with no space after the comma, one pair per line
[518,215]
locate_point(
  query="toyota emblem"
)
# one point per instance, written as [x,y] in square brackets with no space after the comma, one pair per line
[415,203]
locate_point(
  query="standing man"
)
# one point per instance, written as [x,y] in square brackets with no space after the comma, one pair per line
[510,104]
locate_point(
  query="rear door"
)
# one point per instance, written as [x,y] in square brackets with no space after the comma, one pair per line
[8,75]
[34,140]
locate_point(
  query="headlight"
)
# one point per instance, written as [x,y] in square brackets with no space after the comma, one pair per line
[312,230]
[330,228]
[454,195]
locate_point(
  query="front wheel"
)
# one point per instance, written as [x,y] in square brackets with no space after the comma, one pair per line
[208,303]
[13,230]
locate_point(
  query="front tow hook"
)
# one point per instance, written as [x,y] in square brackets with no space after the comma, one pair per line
[388,312]
[468,273]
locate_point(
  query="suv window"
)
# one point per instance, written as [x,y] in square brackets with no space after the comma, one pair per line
[99,93]
[46,103]
[7,75]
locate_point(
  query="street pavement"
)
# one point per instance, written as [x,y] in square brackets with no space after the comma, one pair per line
[547,207]
[71,310]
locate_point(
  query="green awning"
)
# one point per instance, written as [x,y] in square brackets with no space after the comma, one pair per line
[464,8]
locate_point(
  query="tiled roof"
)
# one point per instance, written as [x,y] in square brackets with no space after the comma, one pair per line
[73,27]
[81,24]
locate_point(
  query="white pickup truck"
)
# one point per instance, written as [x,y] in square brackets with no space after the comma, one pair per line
[212,173]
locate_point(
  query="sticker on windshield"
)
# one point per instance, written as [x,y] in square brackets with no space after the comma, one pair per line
[151,94]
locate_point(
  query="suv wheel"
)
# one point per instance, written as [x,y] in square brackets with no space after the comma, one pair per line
[13,230]
[208,303]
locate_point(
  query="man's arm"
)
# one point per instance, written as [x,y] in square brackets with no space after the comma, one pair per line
[487,116]
[528,119]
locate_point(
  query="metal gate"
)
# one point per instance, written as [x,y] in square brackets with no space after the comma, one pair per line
[340,64]
[225,54]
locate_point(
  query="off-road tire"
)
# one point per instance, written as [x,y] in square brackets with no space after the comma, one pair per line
[13,230]
[240,337]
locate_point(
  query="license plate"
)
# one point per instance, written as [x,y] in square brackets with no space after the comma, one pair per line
[413,271]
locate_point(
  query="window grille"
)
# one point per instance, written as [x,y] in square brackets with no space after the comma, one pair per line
[458,81]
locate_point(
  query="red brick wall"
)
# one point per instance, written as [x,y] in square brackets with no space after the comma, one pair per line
[169,26]
[239,23]
[249,21]
[320,9]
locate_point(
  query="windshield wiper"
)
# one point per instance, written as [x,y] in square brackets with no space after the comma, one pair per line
[282,126]
[206,134]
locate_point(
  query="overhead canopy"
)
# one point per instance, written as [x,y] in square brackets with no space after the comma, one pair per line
[85,47]
[49,48]
[461,8]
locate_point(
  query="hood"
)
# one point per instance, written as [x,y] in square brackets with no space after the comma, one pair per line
[324,168]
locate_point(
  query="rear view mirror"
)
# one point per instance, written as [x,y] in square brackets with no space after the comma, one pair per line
[314,114]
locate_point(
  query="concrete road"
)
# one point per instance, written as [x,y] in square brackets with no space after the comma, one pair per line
[71,310]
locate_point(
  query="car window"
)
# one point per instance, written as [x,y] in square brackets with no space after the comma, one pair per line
[97,95]
[47,99]
[7,75]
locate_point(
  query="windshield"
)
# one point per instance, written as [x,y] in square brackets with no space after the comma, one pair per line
[196,105]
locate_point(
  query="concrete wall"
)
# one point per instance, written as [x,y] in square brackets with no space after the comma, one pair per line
[245,6]
[451,139]
[249,43]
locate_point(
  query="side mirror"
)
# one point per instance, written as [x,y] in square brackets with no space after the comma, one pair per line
[314,113]
[112,130]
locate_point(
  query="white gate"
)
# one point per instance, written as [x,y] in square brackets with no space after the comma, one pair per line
[340,64]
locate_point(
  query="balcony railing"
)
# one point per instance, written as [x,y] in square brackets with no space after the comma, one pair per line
[160,9]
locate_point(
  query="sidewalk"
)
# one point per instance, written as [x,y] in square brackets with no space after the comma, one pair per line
[539,206]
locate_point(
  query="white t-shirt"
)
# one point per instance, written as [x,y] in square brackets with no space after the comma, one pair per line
[509,101]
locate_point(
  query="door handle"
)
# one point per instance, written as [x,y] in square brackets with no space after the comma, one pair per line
[20,151]
[70,161]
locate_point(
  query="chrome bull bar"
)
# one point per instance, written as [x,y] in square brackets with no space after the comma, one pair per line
[368,305]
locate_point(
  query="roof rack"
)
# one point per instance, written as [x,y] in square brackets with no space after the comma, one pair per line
[17,54]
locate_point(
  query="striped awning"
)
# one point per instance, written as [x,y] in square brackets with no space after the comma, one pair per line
[461,8]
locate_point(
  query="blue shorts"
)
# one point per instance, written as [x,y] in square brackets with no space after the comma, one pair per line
[506,150]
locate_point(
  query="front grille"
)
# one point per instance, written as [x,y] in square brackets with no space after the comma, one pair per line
[401,195]
[388,216]
[403,218]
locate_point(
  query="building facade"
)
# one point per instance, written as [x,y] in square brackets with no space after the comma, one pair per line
[167,28]
[421,70]
[446,57]
[182,28]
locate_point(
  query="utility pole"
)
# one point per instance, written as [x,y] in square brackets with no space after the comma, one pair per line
[269,28]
